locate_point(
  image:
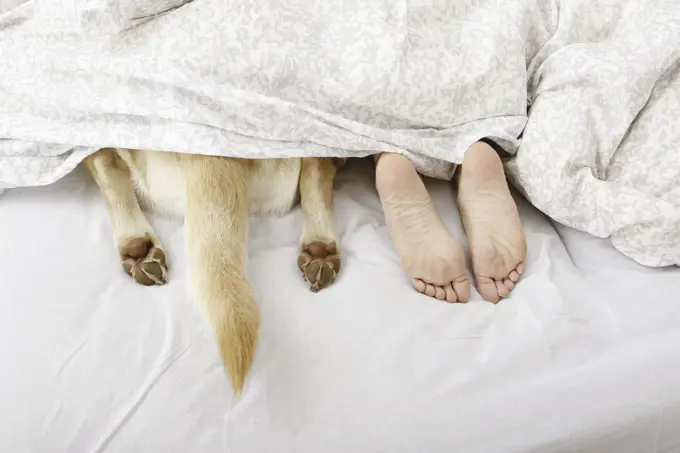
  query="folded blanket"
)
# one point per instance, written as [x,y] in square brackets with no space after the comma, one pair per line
[349,78]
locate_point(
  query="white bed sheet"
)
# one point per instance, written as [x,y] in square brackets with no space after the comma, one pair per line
[582,357]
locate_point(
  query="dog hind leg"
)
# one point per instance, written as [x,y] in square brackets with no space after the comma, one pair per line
[141,252]
[319,258]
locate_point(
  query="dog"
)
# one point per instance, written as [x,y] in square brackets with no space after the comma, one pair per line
[215,195]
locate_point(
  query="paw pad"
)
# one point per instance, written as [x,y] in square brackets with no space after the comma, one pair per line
[319,263]
[144,262]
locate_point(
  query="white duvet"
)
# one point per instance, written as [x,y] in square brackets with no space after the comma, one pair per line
[593,85]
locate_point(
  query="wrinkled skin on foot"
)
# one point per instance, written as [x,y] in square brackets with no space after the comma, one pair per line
[495,234]
[429,253]
[434,260]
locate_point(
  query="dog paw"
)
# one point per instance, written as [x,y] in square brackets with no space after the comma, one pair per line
[320,264]
[144,261]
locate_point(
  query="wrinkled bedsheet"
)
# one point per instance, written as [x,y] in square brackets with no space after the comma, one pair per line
[582,357]
[592,87]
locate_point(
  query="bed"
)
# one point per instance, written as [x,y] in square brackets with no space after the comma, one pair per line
[581,357]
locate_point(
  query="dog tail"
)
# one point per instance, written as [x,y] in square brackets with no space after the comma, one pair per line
[216,228]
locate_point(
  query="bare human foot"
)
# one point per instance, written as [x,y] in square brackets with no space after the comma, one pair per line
[494,230]
[428,252]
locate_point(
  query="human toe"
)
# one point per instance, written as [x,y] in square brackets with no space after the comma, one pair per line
[501,289]
[461,287]
[487,289]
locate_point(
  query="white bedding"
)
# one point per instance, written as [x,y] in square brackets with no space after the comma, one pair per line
[595,82]
[581,357]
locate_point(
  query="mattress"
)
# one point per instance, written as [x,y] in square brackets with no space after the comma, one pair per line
[582,356]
